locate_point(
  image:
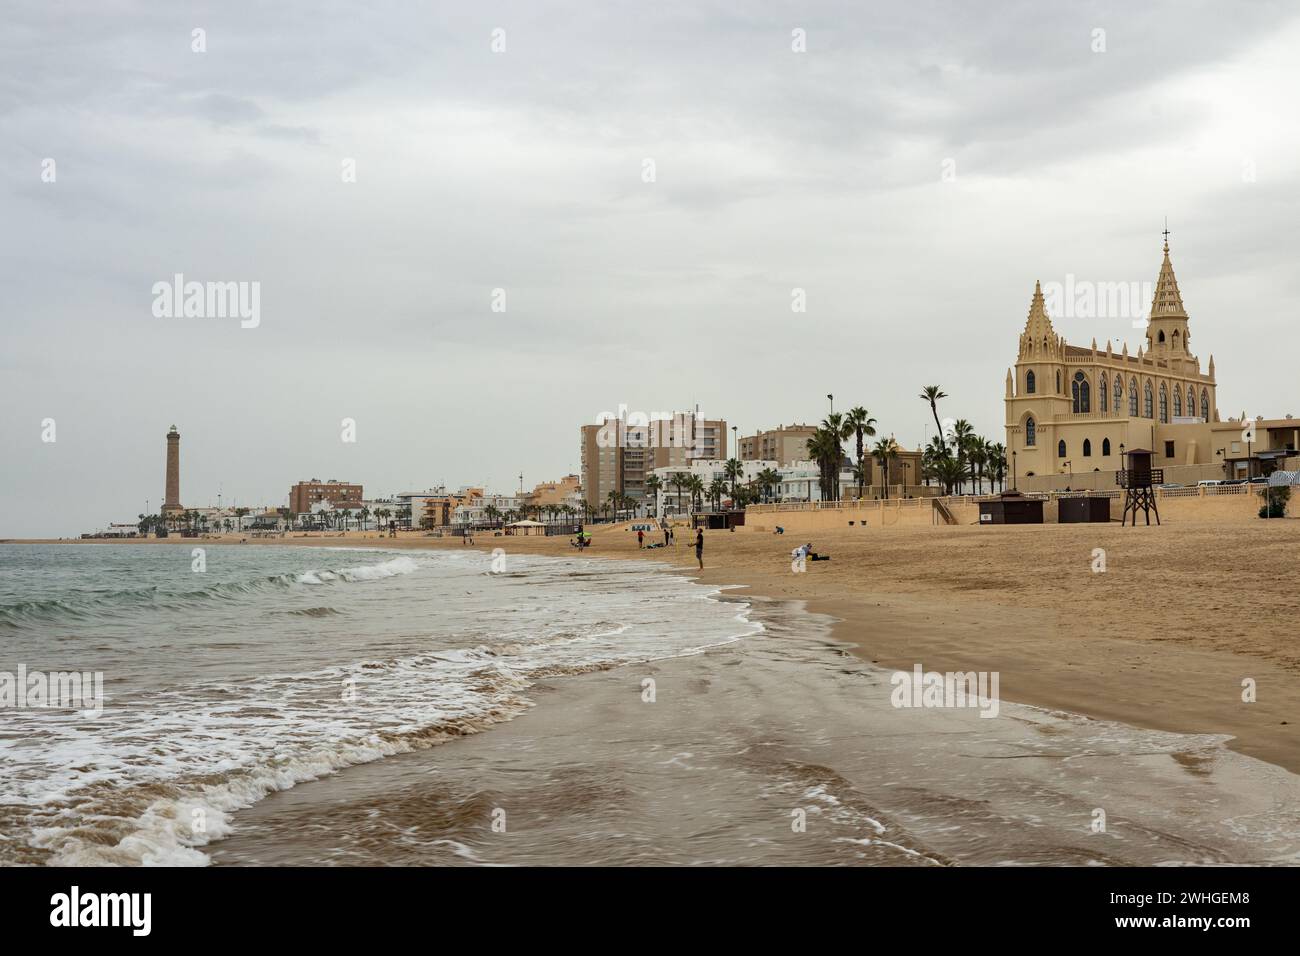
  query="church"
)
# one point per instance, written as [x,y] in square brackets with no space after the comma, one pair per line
[1073,410]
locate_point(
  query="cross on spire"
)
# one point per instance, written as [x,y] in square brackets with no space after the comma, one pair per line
[1166,233]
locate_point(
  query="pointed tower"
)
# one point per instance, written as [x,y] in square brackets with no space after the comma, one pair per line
[1167,333]
[1040,393]
[1039,340]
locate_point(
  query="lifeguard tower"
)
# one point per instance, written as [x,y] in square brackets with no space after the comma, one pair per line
[1138,479]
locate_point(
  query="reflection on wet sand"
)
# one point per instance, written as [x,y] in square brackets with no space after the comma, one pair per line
[782,749]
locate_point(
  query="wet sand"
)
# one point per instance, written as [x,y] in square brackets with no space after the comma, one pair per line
[782,749]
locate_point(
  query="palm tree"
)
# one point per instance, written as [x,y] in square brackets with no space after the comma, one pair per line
[824,448]
[695,485]
[997,457]
[733,470]
[860,424]
[652,486]
[614,498]
[978,458]
[240,514]
[932,394]
[679,481]
[950,472]
[886,450]
[834,424]
[717,488]
[962,432]
[767,480]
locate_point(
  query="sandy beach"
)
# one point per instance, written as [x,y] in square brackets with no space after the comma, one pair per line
[1162,639]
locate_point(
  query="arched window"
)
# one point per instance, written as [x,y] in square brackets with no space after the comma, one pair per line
[1074,392]
[1162,336]
[1101,393]
[1087,448]
[1119,394]
[1205,405]
[1178,402]
[1146,401]
[1029,382]
[1058,382]
[1191,401]
[1105,447]
[1164,403]
[1079,390]
[1175,338]
[1133,397]
[1031,436]
[1060,448]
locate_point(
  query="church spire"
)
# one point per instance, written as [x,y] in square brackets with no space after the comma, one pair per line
[1039,323]
[1167,300]
[1039,338]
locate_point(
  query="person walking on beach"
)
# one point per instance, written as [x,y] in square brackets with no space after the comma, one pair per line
[665,536]
[640,538]
[699,547]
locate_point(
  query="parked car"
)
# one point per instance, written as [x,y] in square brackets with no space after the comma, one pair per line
[1208,482]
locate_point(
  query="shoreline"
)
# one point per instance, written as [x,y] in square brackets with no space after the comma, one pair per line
[749,733]
[1183,682]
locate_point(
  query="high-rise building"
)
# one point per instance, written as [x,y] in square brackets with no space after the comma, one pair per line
[619,456]
[172,492]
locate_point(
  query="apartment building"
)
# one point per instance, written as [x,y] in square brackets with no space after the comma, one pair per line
[619,453]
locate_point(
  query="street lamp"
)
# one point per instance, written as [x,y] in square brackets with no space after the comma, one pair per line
[831,398]
[1221,454]
[1013,469]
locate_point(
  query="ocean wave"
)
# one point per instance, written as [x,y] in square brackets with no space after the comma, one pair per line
[94,607]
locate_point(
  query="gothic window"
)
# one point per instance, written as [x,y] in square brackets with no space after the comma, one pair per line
[1087,448]
[1205,405]
[1162,336]
[1178,402]
[1105,447]
[1058,382]
[1060,448]
[1101,392]
[1079,390]
[1029,382]
[1133,397]
[1191,401]
[1030,431]
[1164,403]
[1119,394]
[1146,400]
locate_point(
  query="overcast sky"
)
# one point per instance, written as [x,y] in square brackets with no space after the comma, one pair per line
[524,170]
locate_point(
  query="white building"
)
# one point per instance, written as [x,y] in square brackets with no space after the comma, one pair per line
[801,481]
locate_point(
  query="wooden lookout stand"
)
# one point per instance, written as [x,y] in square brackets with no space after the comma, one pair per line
[1138,479]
